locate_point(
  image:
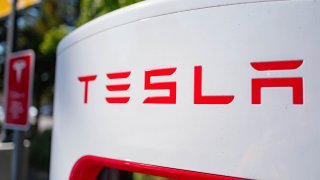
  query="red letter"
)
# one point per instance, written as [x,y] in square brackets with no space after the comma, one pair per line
[118,87]
[295,82]
[86,80]
[171,86]
[199,98]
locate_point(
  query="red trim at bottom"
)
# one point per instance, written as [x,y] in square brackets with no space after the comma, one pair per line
[89,167]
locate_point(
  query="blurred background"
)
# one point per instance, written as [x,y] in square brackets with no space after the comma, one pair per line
[40,26]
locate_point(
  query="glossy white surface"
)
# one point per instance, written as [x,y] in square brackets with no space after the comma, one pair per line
[274,140]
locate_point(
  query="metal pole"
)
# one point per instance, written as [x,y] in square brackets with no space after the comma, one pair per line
[16,170]
[11,28]
[16,166]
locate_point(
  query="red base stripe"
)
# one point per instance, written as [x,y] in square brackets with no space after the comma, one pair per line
[89,167]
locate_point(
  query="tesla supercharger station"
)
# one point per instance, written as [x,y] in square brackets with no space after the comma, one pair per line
[191,90]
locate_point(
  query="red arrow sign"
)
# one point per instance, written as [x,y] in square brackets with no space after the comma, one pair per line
[19,78]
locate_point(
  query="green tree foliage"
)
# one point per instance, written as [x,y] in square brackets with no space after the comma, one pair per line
[52,38]
[90,9]
[40,150]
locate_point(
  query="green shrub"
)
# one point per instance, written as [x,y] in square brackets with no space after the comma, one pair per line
[40,150]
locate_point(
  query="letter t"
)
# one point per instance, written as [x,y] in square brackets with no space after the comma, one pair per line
[86,80]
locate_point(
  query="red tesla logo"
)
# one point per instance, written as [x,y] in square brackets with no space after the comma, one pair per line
[296,83]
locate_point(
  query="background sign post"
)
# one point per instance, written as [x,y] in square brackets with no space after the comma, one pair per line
[18,90]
